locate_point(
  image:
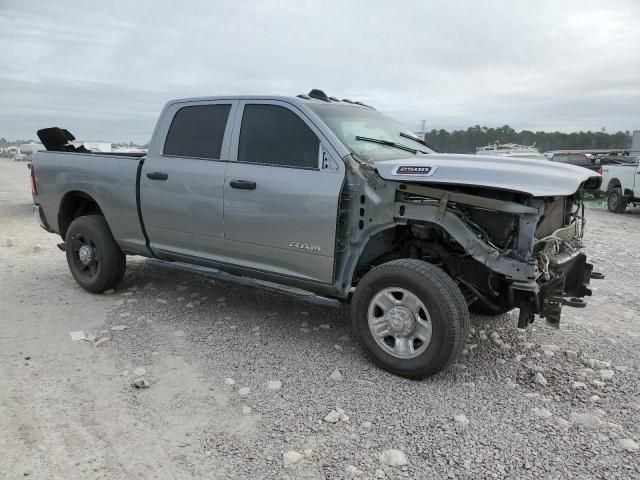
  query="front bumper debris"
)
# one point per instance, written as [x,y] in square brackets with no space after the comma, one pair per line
[569,286]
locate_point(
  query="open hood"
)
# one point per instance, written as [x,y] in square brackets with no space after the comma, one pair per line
[539,178]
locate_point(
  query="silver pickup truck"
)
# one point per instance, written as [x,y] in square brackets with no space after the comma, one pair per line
[334,197]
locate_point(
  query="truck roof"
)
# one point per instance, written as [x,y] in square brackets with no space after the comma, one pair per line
[315,96]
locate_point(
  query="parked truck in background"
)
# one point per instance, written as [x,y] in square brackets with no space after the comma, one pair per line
[332,196]
[621,182]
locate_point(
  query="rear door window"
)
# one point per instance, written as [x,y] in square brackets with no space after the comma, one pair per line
[197,131]
[274,135]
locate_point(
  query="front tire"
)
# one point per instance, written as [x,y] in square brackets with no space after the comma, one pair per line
[616,203]
[410,317]
[95,260]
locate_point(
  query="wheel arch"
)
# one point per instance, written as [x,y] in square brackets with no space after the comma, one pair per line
[73,204]
[613,183]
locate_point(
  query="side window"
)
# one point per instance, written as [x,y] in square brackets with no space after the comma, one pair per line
[274,135]
[197,131]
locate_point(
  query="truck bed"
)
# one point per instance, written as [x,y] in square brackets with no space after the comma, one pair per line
[112,180]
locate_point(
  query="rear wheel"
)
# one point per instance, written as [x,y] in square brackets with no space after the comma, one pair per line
[410,317]
[95,260]
[616,202]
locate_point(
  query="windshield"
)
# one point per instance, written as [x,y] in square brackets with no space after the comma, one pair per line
[358,126]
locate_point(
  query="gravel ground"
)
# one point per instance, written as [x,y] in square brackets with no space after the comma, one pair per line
[242,382]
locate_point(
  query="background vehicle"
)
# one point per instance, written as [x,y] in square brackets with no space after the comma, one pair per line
[334,197]
[620,182]
[579,159]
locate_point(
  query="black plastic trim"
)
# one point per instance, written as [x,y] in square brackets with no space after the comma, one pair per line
[139,207]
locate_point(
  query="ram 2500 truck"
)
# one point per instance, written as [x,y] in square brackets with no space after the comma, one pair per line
[332,196]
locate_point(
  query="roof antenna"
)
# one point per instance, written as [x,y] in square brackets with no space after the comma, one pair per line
[319,95]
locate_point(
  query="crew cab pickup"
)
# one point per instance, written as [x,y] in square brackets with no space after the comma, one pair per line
[621,181]
[334,197]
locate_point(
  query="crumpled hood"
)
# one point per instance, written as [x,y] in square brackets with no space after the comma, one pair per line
[539,178]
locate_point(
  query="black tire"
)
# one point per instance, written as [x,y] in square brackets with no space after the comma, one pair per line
[616,202]
[107,268]
[482,309]
[438,293]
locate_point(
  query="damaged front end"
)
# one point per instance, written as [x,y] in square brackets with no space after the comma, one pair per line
[505,249]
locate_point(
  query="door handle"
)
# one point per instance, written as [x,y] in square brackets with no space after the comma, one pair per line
[243,184]
[157,175]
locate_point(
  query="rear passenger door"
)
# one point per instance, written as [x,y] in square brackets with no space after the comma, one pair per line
[182,181]
[281,191]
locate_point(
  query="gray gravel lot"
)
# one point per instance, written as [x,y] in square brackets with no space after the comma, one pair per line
[70,410]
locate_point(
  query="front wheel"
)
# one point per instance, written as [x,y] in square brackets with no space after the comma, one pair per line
[410,317]
[95,260]
[616,202]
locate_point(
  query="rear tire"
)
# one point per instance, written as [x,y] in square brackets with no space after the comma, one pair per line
[422,310]
[616,202]
[95,259]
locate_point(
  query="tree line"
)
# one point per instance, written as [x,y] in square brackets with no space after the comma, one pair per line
[466,141]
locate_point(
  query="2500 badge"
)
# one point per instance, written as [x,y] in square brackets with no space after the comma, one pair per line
[415,170]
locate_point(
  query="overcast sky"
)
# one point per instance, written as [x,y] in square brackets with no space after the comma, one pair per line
[103,70]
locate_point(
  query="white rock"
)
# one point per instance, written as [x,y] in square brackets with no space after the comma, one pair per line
[532,394]
[338,347]
[336,375]
[229,381]
[119,328]
[541,412]
[353,471]
[324,326]
[598,383]
[246,410]
[589,362]
[332,417]
[628,444]
[291,458]
[571,353]
[548,353]
[539,379]
[366,424]
[141,383]
[161,300]
[139,372]
[244,391]
[305,330]
[494,335]
[578,385]
[594,398]
[461,419]
[519,358]
[380,473]
[274,384]
[393,458]
[527,345]
[606,374]
[620,368]
[103,342]
[561,422]
[111,291]
[551,348]
[585,419]
[178,333]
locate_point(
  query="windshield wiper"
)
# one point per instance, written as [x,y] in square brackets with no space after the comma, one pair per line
[421,142]
[389,143]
